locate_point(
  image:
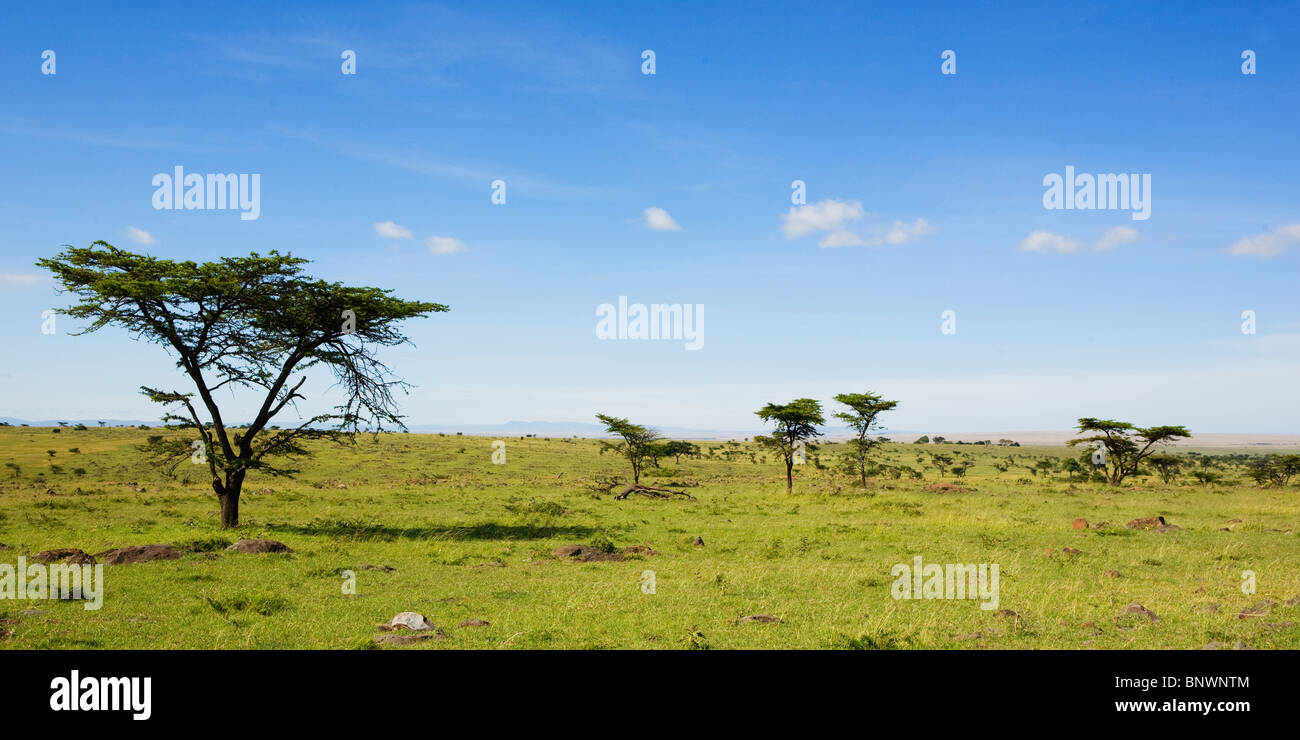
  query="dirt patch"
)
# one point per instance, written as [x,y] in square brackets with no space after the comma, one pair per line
[66,555]
[1149,522]
[761,618]
[589,554]
[946,488]
[475,623]
[139,554]
[259,546]
[409,638]
[585,554]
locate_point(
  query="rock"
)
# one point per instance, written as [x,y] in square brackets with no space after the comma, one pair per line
[259,546]
[3,546]
[1234,521]
[66,555]
[413,621]
[384,568]
[1071,551]
[31,612]
[1216,645]
[698,541]
[639,550]
[1136,608]
[1241,646]
[1208,608]
[1080,523]
[51,492]
[140,554]
[1113,573]
[763,618]
[475,623]
[1168,528]
[1258,609]
[1150,522]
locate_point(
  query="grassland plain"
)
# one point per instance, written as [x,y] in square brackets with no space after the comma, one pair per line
[469,539]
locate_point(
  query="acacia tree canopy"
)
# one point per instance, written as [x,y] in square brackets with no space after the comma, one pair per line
[795,428]
[638,443]
[864,409]
[252,323]
[1125,445]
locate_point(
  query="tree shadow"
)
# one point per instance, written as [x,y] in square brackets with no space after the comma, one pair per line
[491,531]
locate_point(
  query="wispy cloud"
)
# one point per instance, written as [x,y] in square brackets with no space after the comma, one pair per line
[826,215]
[444,245]
[1047,241]
[1116,236]
[140,236]
[657,218]
[390,230]
[1267,245]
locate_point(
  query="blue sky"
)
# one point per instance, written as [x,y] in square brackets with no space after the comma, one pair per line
[848,98]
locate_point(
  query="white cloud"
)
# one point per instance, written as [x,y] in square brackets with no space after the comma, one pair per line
[1046,241]
[1267,245]
[444,245]
[826,215]
[1117,236]
[658,218]
[14,278]
[140,235]
[903,233]
[842,238]
[390,230]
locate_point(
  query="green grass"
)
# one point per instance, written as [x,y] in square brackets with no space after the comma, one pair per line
[469,539]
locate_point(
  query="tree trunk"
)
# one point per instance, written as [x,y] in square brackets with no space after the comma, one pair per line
[789,476]
[228,495]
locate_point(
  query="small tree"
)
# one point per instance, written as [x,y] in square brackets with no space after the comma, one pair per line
[638,444]
[676,448]
[1168,466]
[864,408]
[245,323]
[795,428]
[1123,445]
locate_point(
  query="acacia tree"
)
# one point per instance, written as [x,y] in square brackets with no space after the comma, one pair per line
[1123,445]
[250,323]
[861,416]
[638,444]
[795,428]
[677,448]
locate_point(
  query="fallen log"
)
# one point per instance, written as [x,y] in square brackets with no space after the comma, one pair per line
[650,492]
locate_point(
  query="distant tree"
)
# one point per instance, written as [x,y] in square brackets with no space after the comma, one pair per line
[638,444]
[941,462]
[1167,466]
[252,323]
[795,428]
[940,440]
[864,408]
[924,439]
[676,448]
[1274,470]
[1125,445]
